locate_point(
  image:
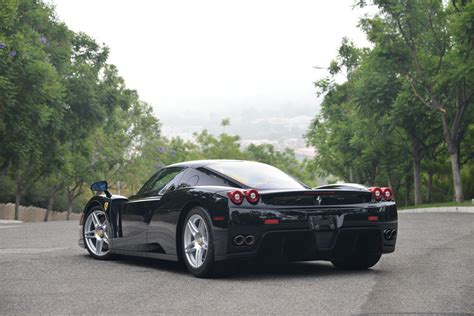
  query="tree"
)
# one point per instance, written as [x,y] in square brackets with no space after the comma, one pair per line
[284,160]
[32,91]
[379,91]
[407,96]
[224,147]
[142,154]
[354,135]
[434,41]
[55,184]
[225,122]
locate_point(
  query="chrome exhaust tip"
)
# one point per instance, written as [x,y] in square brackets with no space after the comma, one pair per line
[387,234]
[249,240]
[239,240]
[394,234]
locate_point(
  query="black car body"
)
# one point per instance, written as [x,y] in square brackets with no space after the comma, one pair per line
[274,218]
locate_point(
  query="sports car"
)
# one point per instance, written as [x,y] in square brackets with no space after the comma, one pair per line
[210,213]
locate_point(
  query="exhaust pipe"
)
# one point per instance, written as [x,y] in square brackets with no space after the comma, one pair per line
[239,240]
[249,240]
[394,234]
[390,234]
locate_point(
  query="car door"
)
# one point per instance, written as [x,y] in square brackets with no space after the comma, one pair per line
[137,212]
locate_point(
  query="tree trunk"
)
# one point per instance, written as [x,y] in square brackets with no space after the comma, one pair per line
[17,202]
[49,207]
[430,186]
[396,189]
[417,180]
[389,181]
[54,189]
[18,194]
[407,195]
[374,176]
[390,185]
[456,170]
[453,151]
[4,168]
[69,205]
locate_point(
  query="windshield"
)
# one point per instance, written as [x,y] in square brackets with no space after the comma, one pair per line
[256,175]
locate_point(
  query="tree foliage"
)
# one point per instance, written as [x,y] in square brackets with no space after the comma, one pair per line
[406,103]
[68,119]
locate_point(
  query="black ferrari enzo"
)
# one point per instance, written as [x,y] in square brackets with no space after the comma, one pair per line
[210,212]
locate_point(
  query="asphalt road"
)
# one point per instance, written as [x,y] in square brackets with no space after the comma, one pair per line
[43,271]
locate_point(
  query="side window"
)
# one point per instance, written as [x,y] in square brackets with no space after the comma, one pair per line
[158,182]
[146,187]
[196,177]
[190,178]
[173,182]
[193,180]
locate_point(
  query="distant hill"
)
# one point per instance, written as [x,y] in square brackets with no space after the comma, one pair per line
[283,125]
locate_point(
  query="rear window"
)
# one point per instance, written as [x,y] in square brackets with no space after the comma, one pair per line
[256,175]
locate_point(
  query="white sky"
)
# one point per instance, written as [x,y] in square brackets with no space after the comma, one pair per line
[220,54]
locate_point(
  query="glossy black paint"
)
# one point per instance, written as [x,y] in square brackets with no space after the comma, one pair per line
[312,223]
[247,220]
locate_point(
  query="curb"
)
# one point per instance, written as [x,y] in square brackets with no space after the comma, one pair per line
[10,221]
[446,209]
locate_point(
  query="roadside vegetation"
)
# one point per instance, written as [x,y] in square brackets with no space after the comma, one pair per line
[403,115]
[67,119]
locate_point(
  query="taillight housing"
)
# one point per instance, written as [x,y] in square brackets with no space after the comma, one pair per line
[252,196]
[387,193]
[236,196]
[376,193]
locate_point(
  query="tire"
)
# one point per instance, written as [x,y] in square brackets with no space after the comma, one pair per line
[96,231]
[197,243]
[357,262]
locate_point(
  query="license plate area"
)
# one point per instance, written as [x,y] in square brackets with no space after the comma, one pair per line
[325,222]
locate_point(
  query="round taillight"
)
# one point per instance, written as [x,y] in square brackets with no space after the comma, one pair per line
[236,197]
[376,193]
[252,196]
[387,194]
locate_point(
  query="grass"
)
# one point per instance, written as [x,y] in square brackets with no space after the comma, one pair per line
[465,203]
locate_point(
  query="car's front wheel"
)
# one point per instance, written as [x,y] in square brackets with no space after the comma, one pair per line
[357,262]
[198,243]
[96,231]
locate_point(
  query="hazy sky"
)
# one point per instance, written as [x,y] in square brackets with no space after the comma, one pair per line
[181,55]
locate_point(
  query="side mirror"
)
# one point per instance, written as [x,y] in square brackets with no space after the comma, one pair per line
[101,186]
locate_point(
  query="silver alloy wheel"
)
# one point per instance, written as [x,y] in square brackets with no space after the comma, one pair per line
[196,241]
[96,233]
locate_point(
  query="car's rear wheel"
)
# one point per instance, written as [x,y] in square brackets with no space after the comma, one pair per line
[96,232]
[357,262]
[198,243]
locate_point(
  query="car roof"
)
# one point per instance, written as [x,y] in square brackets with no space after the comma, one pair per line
[203,163]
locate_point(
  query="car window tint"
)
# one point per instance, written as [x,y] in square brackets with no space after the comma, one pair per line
[173,183]
[160,181]
[208,177]
[190,178]
[193,180]
[201,176]
[146,187]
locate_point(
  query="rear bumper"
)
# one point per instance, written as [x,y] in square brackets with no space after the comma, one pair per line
[320,234]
